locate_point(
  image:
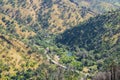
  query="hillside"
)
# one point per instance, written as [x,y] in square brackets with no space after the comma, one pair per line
[55,17]
[58,39]
[103,29]
[100,38]
[15,58]
[98,6]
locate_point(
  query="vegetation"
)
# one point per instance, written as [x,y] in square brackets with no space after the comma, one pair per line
[58,39]
[99,37]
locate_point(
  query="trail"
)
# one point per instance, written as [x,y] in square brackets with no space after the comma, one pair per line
[62,66]
[57,63]
[53,61]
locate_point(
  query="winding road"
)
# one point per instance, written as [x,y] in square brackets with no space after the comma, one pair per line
[65,67]
[57,63]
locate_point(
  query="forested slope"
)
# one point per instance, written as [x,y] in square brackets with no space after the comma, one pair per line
[99,35]
[88,42]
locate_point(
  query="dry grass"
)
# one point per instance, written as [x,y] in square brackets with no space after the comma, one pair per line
[17,58]
[71,15]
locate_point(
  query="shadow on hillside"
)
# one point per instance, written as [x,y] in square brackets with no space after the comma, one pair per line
[87,35]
